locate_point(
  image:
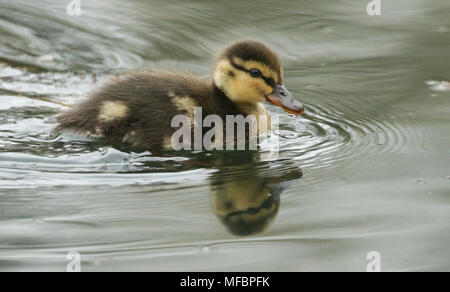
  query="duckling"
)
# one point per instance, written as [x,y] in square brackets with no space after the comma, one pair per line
[138,108]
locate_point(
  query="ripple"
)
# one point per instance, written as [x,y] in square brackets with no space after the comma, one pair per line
[321,137]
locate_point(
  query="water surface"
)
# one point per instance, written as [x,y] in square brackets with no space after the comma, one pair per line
[367,168]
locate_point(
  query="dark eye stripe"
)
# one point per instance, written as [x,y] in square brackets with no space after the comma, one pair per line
[269,81]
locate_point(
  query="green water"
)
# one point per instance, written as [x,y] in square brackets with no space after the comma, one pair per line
[367,168]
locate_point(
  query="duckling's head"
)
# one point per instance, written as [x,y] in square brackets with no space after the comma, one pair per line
[248,72]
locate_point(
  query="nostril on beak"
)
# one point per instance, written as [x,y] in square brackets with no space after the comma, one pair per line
[282,93]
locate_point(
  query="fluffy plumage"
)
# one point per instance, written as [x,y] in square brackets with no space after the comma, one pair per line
[137,109]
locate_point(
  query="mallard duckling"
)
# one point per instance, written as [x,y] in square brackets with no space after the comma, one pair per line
[138,109]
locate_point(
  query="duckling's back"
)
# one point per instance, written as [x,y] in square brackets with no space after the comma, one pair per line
[137,109]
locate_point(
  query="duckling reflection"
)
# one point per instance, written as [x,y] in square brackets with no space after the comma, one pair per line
[246,197]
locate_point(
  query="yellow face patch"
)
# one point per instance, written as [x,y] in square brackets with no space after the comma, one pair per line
[238,85]
[112,110]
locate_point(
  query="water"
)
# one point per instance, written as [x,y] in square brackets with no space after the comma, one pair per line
[367,168]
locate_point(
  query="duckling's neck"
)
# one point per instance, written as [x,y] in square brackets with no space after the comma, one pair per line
[234,108]
[225,107]
[224,103]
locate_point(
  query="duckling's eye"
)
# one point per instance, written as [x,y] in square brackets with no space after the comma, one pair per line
[255,73]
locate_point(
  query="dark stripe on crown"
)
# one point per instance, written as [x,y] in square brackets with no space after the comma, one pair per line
[254,51]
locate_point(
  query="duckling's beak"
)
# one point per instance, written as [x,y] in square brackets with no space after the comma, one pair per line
[284,99]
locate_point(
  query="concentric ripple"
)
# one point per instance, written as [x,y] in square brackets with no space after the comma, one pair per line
[323,136]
